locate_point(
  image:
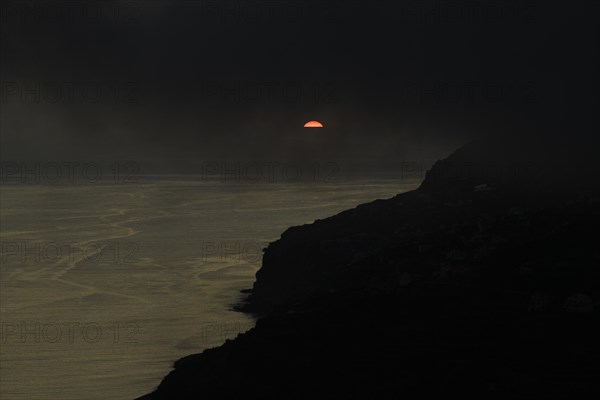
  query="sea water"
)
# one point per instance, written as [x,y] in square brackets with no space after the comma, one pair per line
[104,286]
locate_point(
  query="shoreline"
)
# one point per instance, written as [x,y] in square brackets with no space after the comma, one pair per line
[416,284]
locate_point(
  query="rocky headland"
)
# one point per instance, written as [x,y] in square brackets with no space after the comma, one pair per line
[482,282]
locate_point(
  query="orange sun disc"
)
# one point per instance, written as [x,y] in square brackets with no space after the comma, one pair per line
[313,124]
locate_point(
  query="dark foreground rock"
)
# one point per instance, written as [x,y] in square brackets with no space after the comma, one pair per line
[476,284]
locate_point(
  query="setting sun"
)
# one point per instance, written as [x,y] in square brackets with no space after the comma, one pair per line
[313,124]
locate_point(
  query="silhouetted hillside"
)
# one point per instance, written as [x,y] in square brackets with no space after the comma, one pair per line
[477,283]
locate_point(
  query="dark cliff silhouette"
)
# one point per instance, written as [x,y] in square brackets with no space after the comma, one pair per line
[482,282]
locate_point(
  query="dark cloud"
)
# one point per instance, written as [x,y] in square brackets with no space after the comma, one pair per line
[154,80]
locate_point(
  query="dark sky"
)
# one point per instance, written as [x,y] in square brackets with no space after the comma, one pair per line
[164,82]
